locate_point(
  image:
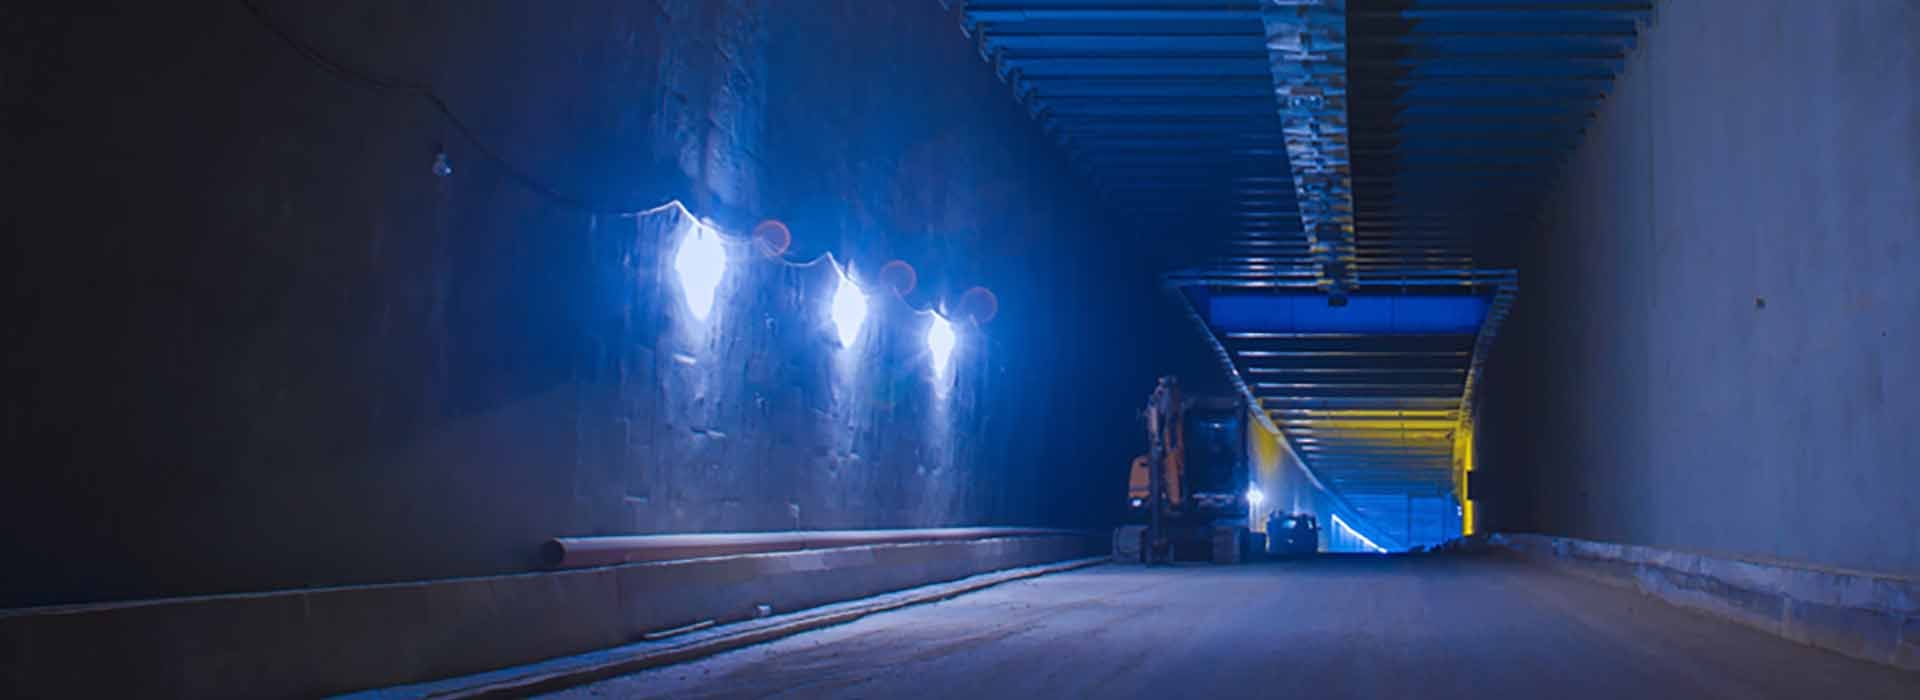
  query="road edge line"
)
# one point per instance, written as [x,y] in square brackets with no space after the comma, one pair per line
[581,669]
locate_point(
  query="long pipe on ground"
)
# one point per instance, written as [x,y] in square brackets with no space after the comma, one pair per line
[576,552]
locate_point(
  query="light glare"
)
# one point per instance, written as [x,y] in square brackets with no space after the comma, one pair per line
[701,263]
[1255,496]
[849,311]
[1344,527]
[941,341]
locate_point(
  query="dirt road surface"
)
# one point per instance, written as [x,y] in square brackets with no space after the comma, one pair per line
[1376,627]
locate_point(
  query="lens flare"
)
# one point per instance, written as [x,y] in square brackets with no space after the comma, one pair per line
[849,311]
[1254,496]
[701,262]
[900,276]
[941,341]
[772,238]
[980,304]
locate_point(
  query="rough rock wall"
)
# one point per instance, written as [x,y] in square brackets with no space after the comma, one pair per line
[259,343]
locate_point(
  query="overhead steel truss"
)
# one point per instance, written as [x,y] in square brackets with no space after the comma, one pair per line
[1348,147]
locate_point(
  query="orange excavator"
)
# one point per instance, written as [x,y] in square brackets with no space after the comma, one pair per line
[1166,445]
[1187,503]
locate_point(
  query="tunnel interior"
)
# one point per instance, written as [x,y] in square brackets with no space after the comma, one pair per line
[312,295]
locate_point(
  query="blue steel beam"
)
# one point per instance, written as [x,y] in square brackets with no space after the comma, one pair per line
[1126,44]
[1258,86]
[1370,376]
[1135,67]
[1447,393]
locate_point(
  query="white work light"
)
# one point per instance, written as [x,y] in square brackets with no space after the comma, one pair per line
[701,263]
[941,341]
[849,311]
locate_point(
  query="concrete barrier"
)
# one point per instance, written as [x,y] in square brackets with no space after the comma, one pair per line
[1869,616]
[303,643]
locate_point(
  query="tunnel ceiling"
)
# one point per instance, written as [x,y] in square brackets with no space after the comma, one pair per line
[1338,151]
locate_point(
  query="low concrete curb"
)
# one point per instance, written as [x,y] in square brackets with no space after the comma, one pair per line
[311,642]
[1874,617]
[559,674]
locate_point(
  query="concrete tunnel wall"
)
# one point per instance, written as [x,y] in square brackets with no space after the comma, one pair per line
[1715,347]
[299,358]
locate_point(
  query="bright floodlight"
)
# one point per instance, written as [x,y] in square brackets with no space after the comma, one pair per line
[701,262]
[1254,496]
[940,342]
[849,311]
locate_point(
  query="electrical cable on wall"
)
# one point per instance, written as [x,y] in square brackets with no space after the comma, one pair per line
[439,104]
